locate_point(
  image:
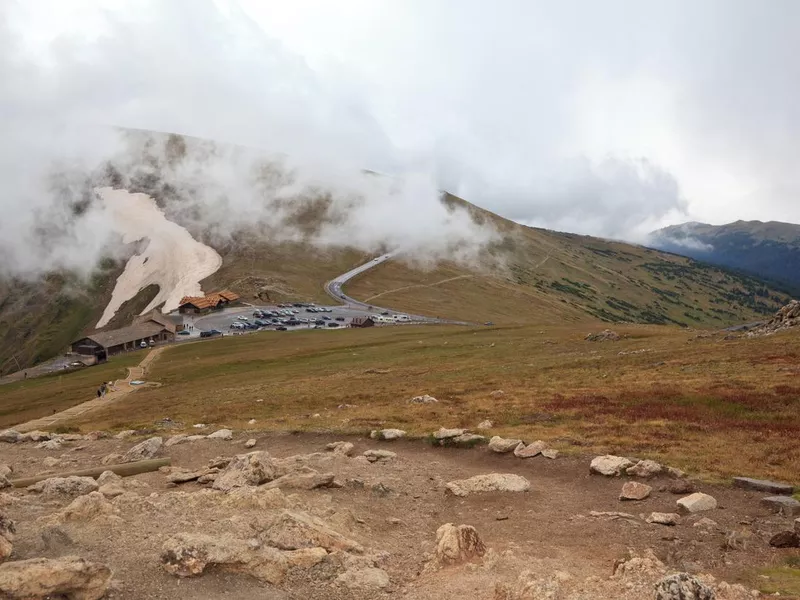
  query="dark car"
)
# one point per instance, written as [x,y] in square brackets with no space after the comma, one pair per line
[184,332]
[340,318]
[332,324]
[319,322]
[281,328]
[259,322]
[385,313]
[326,318]
[205,334]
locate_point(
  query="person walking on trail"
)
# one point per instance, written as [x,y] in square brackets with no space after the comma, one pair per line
[100,391]
[103,389]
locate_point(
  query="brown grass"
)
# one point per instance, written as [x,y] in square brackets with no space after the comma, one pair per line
[706,404]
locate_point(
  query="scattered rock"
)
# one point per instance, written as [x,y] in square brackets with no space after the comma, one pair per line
[763,485]
[10,436]
[54,444]
[35,436]
[444,433]
[187,555]
[797,526]
[195,438]
[7,531]
[697,502]
[550,453]
[6,470]
[786,317]
[293,530]
[492,482]
[175,440]
[612,515]
[251,422]
[681,486]
[424,399]
[674,473]
[784,505]
[633,490]
[465,440]
[149,448]
[304,478]
[609,465]
[48,462]
[124,434]
[364,578]
[64,486]
[183,476]
[340,448]
[246,469]
[604,336]
[664,518]
[645,468]
[455,545]
[497,394]
[487,424]
[4,482]
[221,434]
[682,586]
[706,523]
[387,434]
[785,539]
[69,576]
[86,508]
[111,459]
[530,450]
[503,445]
[376,455]
[250,443]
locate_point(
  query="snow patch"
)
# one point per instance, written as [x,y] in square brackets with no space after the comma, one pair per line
[173,260]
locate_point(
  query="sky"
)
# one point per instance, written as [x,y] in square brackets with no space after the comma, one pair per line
[606,118]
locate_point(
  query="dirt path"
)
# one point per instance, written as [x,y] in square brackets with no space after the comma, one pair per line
[419,285]
[119,391]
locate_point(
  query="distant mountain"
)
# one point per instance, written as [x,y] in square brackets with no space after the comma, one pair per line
[769,250]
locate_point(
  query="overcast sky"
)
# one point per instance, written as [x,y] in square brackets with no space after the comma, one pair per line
[609,118]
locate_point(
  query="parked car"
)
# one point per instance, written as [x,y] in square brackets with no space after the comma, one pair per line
[281,328]
[326,318]
[340,318]
[333,324]
[385,313]
[184,332]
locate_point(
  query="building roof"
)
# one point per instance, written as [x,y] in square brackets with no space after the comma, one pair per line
[170,322]
[361,320]
[115,337]
[210,300]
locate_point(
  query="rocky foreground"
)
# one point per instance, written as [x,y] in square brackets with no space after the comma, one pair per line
[280,516]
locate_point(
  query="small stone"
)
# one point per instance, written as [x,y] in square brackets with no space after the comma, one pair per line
[35,436]
[250,443]
[645,468]
[493,482]
[497,393]
[675,473]
[455,545]
[54,444]
[486,424]
[64,486]
[550,453]
[49,462]
[785,539]
[681,486]
[763,485]
[664,518]
[609,465]
[466,440]
[706,523]
[391,434]
[111,459]
[633,490]
[149,448]
[503,445]
[246,470]
[340,448]
[376,455]
[124,434]
[697,502]
[364,578]
[221,434]
[424,399]
[175,440]
[195,438]
[380,489]
[784,505]
[444,433]
[251,422]
[797,526]
[530,450]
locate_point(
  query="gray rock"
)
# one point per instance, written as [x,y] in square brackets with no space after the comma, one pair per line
[664,518]
[5,482]
[195,438]
[64,486]
[550,453]
[530,450]
[387,434]
[444,433]
[54,444]
[503,445]
[293,530]
[785,505]
[35,436]
[250,443]
[633,490]
[697,502]
[609,465]
[10,436]
[455,545]
[69,576]
[124,434]
[785,539]
[221,434]
[175,440]
[246,470]
[645,468]
[763,485]
[340,448]
[424,399]
[304,478]
[7,531]
[464,440]
[6,470]
[682,586]
[376,455]
[486,424]
[364,578]
[681,486]
[492,482]
[149,448]
[48,462]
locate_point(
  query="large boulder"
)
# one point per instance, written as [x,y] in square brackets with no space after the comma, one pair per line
[387,434]
[221,434]
[175,440]
[492,482]
[64,486]
[682,586]
[87,508]
[503,445]
[531,450]
[149,448]
[7,530]
[456,545]
[69,576]
[609,465]
[294,530]
[443,433]
[784,505]
[304,478]
[10,436]
[254,468]
[188,554]
[697,502]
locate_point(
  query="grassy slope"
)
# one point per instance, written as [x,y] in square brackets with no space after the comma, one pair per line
[718,407]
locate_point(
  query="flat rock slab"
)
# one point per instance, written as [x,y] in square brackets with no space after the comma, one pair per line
[633,490]
[782,504]
[697,502]
[763,485]
[658,518]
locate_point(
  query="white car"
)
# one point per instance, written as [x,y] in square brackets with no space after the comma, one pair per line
[242,318]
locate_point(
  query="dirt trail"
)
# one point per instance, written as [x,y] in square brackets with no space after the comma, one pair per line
[120,389]
[419,285]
